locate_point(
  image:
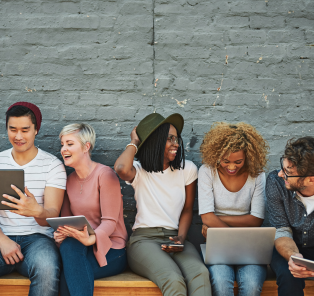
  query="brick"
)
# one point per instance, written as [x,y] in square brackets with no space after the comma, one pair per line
[247,37]
[80,21]
[258,22]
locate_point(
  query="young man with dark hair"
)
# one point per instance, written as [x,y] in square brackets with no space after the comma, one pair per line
[290,199]
[26,243]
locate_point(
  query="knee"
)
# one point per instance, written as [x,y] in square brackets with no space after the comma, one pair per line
[175,282]
[71,245]
[46,269]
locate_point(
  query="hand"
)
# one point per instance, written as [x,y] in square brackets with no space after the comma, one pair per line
[59,237]
[177,240]
[26,206]
[204,230]
[11,251]
[81,235]
[134,137]
[297,270]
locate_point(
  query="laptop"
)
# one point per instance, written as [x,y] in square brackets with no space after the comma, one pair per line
[239,245]
[8,177]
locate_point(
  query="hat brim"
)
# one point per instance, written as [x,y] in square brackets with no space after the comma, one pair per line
[175,119]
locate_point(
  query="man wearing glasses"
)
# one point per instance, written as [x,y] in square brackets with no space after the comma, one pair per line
[290,205]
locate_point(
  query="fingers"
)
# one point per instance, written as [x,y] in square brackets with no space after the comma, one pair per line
[18,191]
[13,203]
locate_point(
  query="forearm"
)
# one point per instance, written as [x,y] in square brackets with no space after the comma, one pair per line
[184,224]
[46,213]
[242,221]
[211,220]
[124,164]
[286,247]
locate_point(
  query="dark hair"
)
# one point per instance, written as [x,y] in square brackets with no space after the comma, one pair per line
[19,111]
[301,153]
[151,153]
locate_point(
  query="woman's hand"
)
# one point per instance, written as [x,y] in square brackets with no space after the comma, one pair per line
[59,237]
[204,230]
[81,235]
[177,240]
[134,137]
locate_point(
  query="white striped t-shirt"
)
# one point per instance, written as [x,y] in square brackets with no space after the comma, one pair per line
[45,170]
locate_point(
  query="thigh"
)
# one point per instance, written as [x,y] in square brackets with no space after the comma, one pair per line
[116,263]
[146,258]
[41,254]
[221,273]
[250,279]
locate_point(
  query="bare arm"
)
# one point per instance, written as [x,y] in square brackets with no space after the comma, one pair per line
[28,206]
[242,221]
[212,220]
[124,164]
[185,218]
[287,247]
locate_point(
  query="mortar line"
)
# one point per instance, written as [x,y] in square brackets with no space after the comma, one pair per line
[153,43]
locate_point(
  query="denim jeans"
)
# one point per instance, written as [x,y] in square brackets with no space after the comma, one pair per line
[80,267]
[288,285]
[41,264]
[250,279]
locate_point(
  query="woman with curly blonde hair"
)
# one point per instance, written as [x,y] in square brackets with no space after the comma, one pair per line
[231,186]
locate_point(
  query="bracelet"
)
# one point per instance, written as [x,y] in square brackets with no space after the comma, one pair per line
[131,144]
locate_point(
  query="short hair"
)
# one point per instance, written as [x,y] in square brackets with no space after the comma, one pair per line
[84,132]
[19,111]
[301,153]
[151,153]
[224,138]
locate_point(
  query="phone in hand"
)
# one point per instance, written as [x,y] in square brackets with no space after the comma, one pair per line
[174,245]
[309,264]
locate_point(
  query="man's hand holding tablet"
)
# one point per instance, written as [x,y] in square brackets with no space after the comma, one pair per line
[297,270]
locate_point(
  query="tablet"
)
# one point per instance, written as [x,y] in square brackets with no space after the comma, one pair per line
[309,264]
[77,222]
[8,177]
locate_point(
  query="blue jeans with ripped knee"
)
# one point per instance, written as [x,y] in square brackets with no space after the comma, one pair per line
[41,263]
[80,267]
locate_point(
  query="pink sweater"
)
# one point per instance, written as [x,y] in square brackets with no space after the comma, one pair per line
[101,203]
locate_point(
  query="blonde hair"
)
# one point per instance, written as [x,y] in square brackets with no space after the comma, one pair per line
[83,131]
[224,138]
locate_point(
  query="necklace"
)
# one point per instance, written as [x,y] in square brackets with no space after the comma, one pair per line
[82,183]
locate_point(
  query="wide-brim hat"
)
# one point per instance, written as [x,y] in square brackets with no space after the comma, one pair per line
[152,121]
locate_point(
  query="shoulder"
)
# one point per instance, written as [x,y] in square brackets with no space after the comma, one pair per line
[261,178]
[5,155]
[105,172]
[273,178]
[48,158]
[190,166]
[205,169]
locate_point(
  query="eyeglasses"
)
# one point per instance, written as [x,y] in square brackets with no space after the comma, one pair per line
[285,175]
[174,140]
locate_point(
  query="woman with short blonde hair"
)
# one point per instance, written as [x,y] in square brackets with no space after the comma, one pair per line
[92,190]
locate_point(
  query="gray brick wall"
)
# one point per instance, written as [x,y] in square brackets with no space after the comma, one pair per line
[110,63]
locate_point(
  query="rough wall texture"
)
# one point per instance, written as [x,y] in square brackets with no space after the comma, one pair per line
[110,63]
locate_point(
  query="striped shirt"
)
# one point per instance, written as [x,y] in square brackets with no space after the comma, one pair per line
[45,170]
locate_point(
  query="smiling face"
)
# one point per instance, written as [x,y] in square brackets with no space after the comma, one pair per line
[293,184]
[72,150]
[21,133]
[170,149]
[233,163]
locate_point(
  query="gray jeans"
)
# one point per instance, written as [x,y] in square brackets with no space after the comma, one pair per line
[176,274]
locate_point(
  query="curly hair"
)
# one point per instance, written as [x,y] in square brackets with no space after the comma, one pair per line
[224,138]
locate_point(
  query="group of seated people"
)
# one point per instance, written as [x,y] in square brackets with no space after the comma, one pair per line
[232,192]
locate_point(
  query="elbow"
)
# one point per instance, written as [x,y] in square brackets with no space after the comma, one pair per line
[257,222]
[120,170]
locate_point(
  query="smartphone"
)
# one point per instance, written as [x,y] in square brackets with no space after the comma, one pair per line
[174,245]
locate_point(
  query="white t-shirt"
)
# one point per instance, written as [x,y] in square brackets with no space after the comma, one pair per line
[214,197]
[45,170]
[308,202]
[160,197]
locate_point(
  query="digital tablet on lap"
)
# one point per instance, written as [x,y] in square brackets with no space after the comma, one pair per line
[8,177]
[77,222]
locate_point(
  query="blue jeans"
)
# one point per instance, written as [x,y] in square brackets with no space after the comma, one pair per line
[80,267]
[250,279]
[41,264]
[288,285]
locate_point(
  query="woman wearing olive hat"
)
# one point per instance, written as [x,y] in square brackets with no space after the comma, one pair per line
[164,185]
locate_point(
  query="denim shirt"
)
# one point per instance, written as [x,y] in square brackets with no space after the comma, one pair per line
[287,213]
